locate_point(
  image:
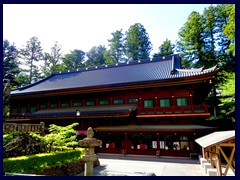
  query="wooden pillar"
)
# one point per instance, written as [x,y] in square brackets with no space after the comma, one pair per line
[173,101]
[211,156]
[126,142]
[111,101]
[28,108]
[158,141]
[218,162]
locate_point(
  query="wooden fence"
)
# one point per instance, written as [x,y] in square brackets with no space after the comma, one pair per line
[12,127]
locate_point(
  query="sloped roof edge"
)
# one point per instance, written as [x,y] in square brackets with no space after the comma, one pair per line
[215,138]
[141,71]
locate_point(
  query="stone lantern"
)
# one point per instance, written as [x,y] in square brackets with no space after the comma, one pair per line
[89,143]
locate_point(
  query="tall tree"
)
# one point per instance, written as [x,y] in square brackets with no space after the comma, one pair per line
[52,60]
[56,53]
[31,54]
[10,63]
[227,98]
[214,46]
[95,56]
[74,60]
[191,42]
[210,36]
[45,68]
[116,51]
[10,71]
[108,58]
[165,49]
[137,43]
[22,78]
[226,60]
[229,29]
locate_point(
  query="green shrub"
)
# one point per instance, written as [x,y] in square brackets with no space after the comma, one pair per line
[35,163]
[61,148]
[9,136]
[22,144]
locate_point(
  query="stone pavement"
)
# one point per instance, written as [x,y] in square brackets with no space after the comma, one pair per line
[117,165]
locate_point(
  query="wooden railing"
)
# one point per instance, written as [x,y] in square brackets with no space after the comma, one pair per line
[13,127]
[195,109]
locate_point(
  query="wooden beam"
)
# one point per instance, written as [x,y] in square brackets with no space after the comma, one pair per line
[65,117]
[173,115]
[218,162]
[227,144]
[228,160]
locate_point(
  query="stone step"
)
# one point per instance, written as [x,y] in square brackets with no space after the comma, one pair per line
[202,161]
[211,172]
[206,167]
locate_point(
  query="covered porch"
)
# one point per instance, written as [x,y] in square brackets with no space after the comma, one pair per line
[218,148]
[156,140]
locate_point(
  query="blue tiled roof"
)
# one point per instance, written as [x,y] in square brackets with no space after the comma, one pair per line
[149,70]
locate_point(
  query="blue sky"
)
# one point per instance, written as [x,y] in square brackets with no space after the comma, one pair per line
[82,26]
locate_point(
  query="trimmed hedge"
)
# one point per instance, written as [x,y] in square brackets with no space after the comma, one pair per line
[35,163]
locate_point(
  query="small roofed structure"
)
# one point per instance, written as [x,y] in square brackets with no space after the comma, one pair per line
[215,145]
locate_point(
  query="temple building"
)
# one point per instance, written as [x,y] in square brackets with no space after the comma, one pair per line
[147,107]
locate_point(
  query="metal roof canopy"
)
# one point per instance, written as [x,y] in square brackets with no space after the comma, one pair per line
[215,138]
[142,71]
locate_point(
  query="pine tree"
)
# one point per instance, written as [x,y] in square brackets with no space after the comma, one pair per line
[95,56]
[10,63]
[31,54]
[229,29]
[74,60]
[52,60]
[137,43]
[191,42]
[165,49]
[116,51]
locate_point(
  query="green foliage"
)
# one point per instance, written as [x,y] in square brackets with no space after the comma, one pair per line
[52,60]
[61,136]
[74,60]
[36,136]
[9,136]
[10,62]
[165,49]
[203,41]
[55,54]
[31,54]
[137,43]
[229,29]
[227,102]
[116,51]
[108,57]
[22,79]
[96,56]
[19,144]
[190,41]
[35,163]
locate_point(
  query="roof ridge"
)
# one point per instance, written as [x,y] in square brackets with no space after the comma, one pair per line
[133,62]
